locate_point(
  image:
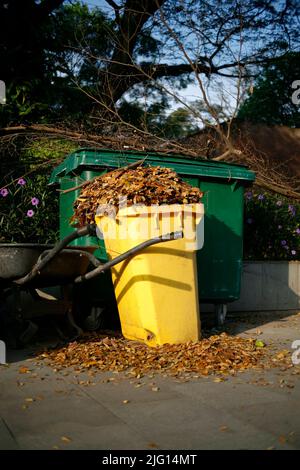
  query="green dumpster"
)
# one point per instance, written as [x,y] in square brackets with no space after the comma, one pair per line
[220,261]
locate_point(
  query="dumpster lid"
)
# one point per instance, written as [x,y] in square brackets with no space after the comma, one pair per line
[91,159]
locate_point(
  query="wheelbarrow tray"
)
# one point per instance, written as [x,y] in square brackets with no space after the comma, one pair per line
[17,259]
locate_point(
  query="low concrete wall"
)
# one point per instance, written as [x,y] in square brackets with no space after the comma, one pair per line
[268,285]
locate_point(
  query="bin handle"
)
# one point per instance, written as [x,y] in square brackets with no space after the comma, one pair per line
[104,267]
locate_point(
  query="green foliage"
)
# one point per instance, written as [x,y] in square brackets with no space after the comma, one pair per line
[272,227]
[179,123]
[37,157]
[271,100]
[175,125]
[19,225]
[45,149]
[48,88]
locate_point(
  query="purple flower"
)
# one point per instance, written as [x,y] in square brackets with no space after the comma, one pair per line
[283,242]
[279,203]
[292,210]
[249,221]
[4,192]
[30,213]
[21,181]
[293,252]
[35,201]
[261,197]
[249,195]
[298,231]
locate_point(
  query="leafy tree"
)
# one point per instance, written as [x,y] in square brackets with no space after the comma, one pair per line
[178,124]
[43,66]
[191,36]
[271,99]
[49,48]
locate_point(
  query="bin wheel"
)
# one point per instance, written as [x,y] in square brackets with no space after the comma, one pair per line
[220,313]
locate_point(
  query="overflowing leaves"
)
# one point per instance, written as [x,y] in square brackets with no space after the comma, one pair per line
[143,185]
[216,354]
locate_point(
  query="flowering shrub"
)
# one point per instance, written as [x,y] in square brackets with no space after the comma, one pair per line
[29,211]
[28,206]
[272,227]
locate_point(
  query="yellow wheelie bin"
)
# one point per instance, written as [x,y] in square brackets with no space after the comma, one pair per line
[156,289]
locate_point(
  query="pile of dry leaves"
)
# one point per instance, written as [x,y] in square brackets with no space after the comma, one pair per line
[142,185]
[216,354]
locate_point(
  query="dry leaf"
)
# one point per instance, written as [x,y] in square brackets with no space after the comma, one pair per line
[152,445]
[219,354]
[155,389]
[126,401]
[282,354]
[143,185]
[23,370]
[223,428]
[65,439]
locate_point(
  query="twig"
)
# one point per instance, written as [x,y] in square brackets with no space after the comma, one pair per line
[125,168]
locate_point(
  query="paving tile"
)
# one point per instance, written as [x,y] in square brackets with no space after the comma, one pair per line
[187,424]
[44,409]
[7,440]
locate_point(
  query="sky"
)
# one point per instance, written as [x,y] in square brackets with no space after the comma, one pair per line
[98,3]
[192,92]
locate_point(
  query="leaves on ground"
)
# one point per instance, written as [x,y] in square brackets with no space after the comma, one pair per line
[216,354]
[223,428]
[282,439]
[152,445]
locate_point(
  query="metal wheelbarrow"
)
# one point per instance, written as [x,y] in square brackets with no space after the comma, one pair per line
[28,267]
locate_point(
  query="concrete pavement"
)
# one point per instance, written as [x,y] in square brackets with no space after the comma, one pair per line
[260,409]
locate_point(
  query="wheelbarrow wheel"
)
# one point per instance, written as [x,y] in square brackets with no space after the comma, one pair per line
[30,329]
[95,320]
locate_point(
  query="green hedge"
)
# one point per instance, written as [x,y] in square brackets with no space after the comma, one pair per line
[272,227]
[29,211]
